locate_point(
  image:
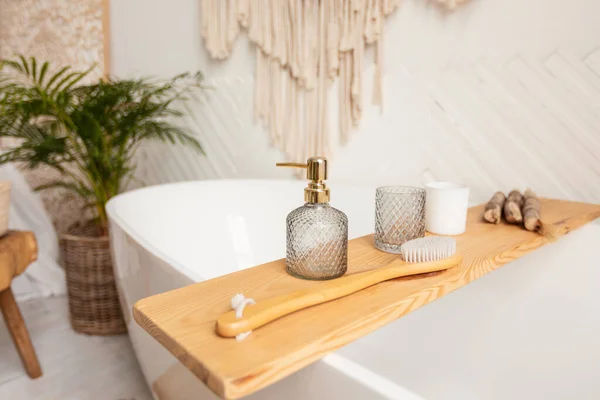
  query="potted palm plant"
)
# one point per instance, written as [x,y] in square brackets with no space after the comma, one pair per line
[89,133]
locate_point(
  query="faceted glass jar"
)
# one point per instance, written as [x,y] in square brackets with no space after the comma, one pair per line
[317,242]
[399,216]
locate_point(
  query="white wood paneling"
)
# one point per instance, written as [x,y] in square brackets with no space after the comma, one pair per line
[497,94]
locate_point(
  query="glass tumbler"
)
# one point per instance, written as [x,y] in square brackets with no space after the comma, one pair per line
[399,216]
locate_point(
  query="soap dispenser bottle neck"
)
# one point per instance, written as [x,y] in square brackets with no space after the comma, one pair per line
[316,192]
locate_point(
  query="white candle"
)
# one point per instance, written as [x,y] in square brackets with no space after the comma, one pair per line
[446,208]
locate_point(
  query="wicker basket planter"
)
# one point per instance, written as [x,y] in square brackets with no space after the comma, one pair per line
[93,298]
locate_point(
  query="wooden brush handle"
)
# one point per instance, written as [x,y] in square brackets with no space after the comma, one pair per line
[263,312]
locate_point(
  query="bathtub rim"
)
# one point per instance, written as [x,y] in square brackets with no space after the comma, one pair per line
[113,214]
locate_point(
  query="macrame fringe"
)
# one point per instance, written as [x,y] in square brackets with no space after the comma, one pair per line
[301,47]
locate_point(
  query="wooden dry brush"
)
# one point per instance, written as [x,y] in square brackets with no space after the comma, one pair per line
[519,209]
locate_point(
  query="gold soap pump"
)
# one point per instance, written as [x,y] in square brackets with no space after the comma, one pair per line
[317,234]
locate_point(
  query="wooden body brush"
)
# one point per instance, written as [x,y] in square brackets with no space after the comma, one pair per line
[430,254]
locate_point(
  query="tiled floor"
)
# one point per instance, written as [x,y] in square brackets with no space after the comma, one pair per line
[75,366]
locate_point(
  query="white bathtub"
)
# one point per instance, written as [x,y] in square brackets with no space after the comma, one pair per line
[527,331]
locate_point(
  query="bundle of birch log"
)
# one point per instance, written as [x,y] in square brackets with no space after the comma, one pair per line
[517,208]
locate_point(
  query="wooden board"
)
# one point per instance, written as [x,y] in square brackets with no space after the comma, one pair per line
[183,320]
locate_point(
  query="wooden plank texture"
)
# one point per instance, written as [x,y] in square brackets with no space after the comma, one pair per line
[18,249]
[18,331]
[183,320]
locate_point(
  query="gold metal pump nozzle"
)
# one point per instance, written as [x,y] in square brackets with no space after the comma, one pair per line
[316,172]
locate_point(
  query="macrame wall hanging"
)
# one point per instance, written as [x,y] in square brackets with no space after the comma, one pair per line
[301,47]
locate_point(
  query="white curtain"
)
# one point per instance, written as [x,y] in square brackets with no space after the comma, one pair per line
[44,277]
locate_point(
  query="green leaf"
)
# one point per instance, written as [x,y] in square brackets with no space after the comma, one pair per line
[77,188]
[63,81]
[34,69]
[69,81]
[43,73]
[80,77]
[11,64]
[24,65]
[89,132]
[56,76]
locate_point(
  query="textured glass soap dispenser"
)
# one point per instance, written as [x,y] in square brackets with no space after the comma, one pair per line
[317,234]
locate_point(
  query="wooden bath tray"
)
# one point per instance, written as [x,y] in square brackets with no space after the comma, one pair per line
[183,320]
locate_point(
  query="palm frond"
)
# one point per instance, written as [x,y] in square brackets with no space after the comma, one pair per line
[14,65]
[79,189]
[34,69]
[88,132]
[24,65]
[168,133]
[43,71]
[69,81]
[55,77]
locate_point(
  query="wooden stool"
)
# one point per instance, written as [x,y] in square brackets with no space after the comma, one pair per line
[18,249]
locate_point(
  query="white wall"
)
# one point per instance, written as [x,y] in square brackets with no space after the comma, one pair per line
[498,94]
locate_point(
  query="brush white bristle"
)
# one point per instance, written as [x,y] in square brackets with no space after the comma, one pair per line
[431,248]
